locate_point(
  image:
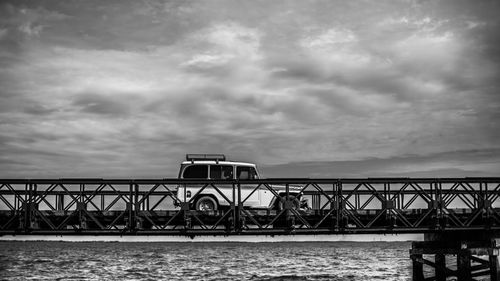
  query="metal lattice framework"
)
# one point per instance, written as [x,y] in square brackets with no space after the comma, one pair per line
[148,206]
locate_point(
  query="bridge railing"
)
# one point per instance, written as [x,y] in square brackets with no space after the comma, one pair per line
[162,206]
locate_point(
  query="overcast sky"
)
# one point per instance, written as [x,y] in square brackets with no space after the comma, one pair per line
[302,88]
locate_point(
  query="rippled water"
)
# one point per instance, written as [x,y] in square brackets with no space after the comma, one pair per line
[205,261]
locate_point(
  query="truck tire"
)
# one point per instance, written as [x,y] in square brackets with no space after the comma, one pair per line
[205,204]
[295,202]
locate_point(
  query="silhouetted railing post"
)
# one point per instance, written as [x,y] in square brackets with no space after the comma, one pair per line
[290,218]
[27,203]
[33,207]
[81,207]
[435,203]
[489,211]
[60,202]
[464,266]
[186,209]
[239,209]
[440,269]
[130,208]
[494,268]
[235,211]
[340,205]
[336,187]
[137,208]
[390,205]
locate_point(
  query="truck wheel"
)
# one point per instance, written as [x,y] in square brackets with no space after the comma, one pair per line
[295,203]
[206,203]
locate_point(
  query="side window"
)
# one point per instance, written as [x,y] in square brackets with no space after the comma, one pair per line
[246,173]
[224,172]
[196,172]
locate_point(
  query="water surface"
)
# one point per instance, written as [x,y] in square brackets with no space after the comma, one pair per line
[205,261]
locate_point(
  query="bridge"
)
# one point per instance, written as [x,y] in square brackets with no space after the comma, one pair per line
[460,217]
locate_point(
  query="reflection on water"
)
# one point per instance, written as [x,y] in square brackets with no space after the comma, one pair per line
[205,261]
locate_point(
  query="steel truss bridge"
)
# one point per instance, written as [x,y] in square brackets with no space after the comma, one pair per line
[460,217]
[337,206]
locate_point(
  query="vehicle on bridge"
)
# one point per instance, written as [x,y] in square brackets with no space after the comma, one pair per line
[211,197]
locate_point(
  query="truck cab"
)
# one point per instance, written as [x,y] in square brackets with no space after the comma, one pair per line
[212,193]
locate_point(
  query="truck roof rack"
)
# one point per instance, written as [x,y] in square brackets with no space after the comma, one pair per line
[205,157]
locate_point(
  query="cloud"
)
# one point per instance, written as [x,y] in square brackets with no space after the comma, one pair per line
[473,163]
[130,88]
[37,109]
[3,32]
[330,39]
[101,104]
[207,61]
[31,30]
[29,22]
[227,51]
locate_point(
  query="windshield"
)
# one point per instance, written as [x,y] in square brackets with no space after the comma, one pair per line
[196,172]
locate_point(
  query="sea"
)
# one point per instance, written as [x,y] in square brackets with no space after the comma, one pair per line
[276,261]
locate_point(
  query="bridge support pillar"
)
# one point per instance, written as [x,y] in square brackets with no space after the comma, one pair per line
[463,255]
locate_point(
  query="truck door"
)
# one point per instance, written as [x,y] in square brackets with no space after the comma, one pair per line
[222,172]
[250,199]
[196,171]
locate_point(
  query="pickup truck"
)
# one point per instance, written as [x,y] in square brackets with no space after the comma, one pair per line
[210,197]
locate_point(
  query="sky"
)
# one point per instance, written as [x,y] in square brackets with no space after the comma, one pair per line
[124,89]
